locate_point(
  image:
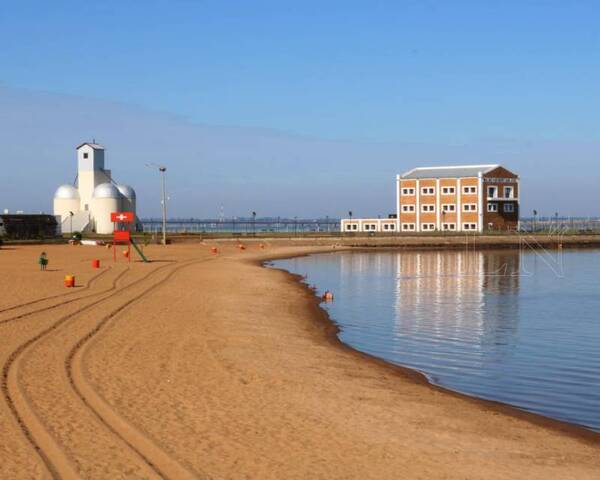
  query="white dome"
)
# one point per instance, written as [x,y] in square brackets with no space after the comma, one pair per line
[106,190]
[127,191]
[68,192]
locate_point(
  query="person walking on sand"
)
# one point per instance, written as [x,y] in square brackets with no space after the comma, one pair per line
[43,261]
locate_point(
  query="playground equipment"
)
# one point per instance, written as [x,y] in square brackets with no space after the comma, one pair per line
[122,234]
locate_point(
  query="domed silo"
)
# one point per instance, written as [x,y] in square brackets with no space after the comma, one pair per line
[105,200]
[66,200]
[129,198]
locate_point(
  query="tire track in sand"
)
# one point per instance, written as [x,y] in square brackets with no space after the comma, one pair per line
[160,461]
[59,295]
[56,305]
[29,424]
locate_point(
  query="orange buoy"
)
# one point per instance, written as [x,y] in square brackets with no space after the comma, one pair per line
[69,281]
[262,245]
[125,253]
[214,250]
[96,263]
[328,296]
[242,247]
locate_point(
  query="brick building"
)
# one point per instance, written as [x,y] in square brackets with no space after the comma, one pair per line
[472,198]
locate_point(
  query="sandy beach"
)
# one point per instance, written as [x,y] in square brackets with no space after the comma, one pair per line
[213,367]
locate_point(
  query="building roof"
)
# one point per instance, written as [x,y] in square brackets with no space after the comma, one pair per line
[459,171]
[95,146]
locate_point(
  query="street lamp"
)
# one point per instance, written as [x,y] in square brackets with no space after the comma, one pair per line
[254,223]
[534,220]
[162,169]
[71,222]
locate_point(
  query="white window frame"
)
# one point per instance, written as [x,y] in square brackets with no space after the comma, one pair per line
[508,208]
[408,191]
[449,226]
[392,226]
[469,207]
[511,190]
[410,208]
[492,207]
[354,226]
[448,207]
[428,227]
[469,190]
[448,190]
[427,191]
[428,207]
[496,189]
[408,227]
[469,226]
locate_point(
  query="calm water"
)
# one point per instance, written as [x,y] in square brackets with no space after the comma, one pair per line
[519,327]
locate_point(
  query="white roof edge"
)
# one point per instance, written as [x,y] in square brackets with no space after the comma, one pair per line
[487,168]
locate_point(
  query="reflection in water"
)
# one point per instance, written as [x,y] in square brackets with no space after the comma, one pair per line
[496,324]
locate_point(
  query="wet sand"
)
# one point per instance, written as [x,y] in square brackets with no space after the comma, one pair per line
[203,366]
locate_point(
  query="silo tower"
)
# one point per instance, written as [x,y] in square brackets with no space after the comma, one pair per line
[129,199]
[66,201]
[105,200]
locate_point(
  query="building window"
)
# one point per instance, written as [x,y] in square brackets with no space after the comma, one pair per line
[428,227]
[508,192]
[469,226]
[469,190]
[85,155]
[408,208]
[469,207]
[408,191]
[509,207]
[448,226]
[348,227]
[492,192]
[448,207]
[448,190]
[492,207]
[427,191]
[355,227]
[408,226]
[428,207]
[392,226]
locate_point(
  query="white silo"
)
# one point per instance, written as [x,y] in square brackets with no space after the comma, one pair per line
[66,201]
[105,200]
[129,199]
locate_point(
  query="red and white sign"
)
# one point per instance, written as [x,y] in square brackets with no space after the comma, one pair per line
[122,217]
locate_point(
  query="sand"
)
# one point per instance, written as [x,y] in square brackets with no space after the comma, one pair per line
[210,366]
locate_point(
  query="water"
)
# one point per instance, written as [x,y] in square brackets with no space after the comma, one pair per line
[518,327]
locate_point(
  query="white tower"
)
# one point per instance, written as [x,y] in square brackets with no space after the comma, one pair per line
[90,171]
[88,207]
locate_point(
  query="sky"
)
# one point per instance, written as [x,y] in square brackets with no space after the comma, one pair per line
[299,108]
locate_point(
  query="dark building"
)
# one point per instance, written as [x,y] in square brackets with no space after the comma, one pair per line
[28,227]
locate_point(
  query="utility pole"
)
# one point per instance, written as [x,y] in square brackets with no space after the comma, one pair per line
[164,205]
[162,169]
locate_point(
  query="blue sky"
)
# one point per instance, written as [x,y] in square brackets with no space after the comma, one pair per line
[319,104]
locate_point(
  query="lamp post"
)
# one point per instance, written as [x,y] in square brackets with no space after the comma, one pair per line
[254,223]
[71,222]
[534,220]
[162,169]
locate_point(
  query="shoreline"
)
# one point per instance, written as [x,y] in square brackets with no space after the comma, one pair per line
[331,330]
